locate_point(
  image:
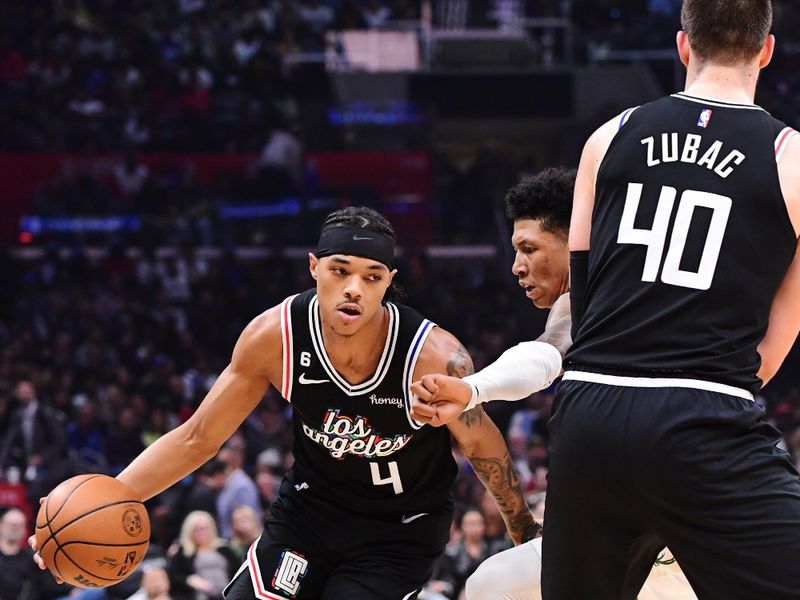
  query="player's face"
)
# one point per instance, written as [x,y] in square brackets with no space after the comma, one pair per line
[541,262]
[349,289]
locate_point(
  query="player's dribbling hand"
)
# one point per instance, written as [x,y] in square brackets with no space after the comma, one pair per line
[439,399]
[37,558]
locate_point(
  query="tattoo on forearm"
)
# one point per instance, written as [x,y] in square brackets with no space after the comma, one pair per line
[473,417]
[500,477]
[460,363]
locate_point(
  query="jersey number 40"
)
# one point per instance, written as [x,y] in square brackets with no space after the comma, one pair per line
[655,239]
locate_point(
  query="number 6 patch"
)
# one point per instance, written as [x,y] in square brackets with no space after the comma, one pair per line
[290,572]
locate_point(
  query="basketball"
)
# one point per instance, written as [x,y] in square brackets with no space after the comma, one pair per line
[92,531]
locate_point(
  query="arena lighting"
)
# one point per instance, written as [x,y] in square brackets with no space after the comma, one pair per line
[31,225]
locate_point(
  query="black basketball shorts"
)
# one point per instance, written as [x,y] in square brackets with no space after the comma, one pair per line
[312,550]
[634,469]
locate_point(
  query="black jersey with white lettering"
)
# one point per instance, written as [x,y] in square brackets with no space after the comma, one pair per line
[357,445]
[690,240]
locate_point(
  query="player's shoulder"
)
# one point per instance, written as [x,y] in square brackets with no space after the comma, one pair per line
[443,353]
[260,341]
[599,142]
[604,134]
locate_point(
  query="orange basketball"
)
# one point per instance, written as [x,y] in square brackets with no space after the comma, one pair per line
[92,531]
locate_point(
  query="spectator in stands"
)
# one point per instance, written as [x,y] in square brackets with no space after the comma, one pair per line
[130,177]
[281,162]
[464,555]
[155,585]
[124,441]
[35,442]
[245,529]
[494,527]
[317,18]
[19,577]
[202,564]
[86,437]
[239,490]
[208,483]
[376,14]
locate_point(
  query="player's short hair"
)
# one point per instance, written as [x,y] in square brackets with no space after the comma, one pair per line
[727,31]
[545,197]
[362,217]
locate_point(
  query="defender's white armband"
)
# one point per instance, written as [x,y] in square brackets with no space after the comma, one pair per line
[519,372]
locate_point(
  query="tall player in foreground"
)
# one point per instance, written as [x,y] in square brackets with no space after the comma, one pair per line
[366,510]
[540,208]
[685,289]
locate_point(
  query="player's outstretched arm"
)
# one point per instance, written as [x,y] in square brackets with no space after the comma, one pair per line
[519,372]
[479,439]
[237,391]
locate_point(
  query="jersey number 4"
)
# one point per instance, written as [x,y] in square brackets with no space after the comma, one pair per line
[393,478]
[655,239]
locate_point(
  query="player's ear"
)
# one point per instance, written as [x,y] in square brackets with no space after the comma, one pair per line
[392,273]
[766,52]
[684,49]
[313,264]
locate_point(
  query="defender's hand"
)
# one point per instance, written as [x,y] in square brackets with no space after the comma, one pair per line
[439,399]
[557,329]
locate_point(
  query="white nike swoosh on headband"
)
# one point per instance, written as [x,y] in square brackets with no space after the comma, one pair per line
[303,380]
[407,520]
[358,239]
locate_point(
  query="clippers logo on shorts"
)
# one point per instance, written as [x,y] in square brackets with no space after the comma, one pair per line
[290,572]
[705,118]
[342,435]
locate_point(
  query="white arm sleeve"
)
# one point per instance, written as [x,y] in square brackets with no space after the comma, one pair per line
[519,372]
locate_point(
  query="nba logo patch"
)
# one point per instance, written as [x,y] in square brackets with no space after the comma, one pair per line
[705,118]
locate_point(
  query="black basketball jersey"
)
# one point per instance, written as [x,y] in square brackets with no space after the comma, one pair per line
[357,445]
[690,240]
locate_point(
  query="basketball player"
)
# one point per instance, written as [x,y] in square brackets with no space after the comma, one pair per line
[540,208]
[366,509]
[685,290]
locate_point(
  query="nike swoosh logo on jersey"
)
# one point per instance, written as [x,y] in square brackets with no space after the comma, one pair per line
[406,520]
[302,379]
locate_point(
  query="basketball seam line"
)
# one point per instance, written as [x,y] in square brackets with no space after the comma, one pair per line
[48,521]
[94,510]
[104,545]
[68,497]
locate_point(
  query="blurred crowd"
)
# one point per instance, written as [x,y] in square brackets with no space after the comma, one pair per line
[198,75]
[96,75]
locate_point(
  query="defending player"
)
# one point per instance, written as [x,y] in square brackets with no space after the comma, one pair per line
[366,509]
[540,207]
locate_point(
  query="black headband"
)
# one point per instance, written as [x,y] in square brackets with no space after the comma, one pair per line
[356,241]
